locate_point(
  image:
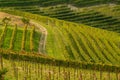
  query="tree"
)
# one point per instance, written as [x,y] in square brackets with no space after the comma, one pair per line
[25,21]
[2,73]
[6,20]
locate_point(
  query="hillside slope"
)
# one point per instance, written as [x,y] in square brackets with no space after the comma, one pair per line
[72,44]
[94,16]
[95,13]
[71,41]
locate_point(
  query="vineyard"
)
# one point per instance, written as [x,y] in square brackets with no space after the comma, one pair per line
[59,40]
[10,36]
[78,3]
[95,16]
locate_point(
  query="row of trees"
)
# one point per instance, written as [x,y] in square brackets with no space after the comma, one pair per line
[6,20]
[54,2]
[47,69]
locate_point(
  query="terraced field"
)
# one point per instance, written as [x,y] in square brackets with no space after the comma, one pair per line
[71,41]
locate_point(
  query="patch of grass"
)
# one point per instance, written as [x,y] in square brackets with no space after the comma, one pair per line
[0,31]
[7,38]
[36,39]
[27,41]
[18,40]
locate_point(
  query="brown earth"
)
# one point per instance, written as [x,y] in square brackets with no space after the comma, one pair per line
[14,19]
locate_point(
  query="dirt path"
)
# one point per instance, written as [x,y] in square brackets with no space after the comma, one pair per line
[42,38]
[17,20]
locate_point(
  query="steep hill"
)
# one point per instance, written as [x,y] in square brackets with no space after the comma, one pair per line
[71,41]
[65,39]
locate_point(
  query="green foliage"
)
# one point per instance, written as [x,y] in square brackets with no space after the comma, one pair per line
[6,20]
[54,2]
[39,58]
[25,21]
[13,37]
[7,37]
[2,73]
[8,42]
[18,40]
[3,35]
[24,38]
[27,41]
[36,39]
[92,16]
[31,38]
[73,43]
